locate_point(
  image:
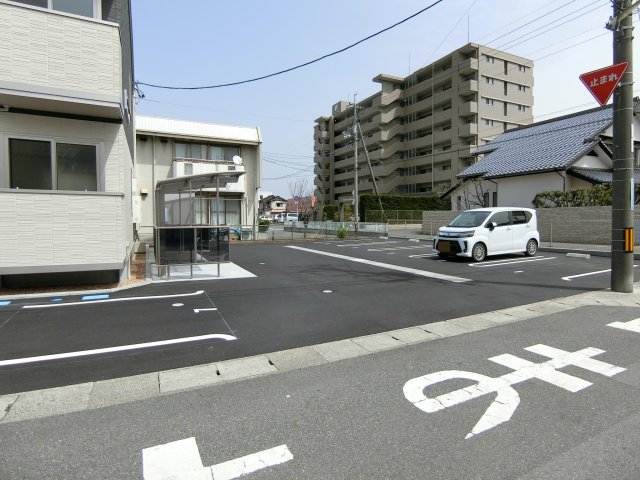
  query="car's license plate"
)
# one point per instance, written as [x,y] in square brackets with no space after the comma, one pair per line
[444,246]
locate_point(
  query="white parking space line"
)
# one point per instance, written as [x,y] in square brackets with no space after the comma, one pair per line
[397,248]
[122,348]
[509,262]
[571,277]
[422,273]
[112,300]
[366,244]
[424,255]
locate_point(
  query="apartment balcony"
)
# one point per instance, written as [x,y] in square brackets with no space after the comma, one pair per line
[51,61]
[46,230]
[387,135]
[439,98]
[468,130]
[321,170]
[389,98]
[392,114]
[468,108]
[469,66]
[468,87]
[346,189]
[344,176]
[432,120]
[466,151]
[321,134]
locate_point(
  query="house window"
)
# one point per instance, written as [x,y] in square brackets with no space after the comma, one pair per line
[31,165]
[83,8]
[495,199]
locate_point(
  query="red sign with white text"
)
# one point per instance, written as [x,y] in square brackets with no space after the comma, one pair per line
[601,83]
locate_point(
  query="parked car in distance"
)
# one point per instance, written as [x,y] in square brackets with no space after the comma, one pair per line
[290,217]
[489,231]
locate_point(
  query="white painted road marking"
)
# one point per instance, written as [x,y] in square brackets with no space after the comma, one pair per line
[123,348]
[182,459]
[507,399]
[422,273]
[412,247]
[366,244]
[509,262]
[198,310]
[571,277]
[112,300]
[631,326]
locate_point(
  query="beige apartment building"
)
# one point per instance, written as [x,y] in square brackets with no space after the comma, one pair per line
[420,130]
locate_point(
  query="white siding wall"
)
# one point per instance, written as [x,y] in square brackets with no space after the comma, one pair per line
[46,229]
[54,50]
[52,228]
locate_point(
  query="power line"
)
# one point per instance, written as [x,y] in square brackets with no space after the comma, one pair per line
[301,65]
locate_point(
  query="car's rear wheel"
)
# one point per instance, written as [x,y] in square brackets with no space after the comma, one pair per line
[479,252]
[532,248]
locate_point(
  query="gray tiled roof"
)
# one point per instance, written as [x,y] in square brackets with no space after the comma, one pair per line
[544,146]
[601,176]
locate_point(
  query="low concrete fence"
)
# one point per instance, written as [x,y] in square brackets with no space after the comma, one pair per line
[583,225]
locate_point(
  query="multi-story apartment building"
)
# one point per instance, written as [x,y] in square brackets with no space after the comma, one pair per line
[421,130]
[66,141]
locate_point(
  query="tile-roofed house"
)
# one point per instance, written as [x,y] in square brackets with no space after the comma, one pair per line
[563,153]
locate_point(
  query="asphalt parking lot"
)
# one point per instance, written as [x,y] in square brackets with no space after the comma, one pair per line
[303,293]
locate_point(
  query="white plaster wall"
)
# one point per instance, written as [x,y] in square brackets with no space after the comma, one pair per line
[519,191]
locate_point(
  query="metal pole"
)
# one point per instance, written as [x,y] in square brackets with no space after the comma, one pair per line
[622,195]
[355,161]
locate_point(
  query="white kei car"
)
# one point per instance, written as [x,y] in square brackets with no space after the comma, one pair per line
[489,231]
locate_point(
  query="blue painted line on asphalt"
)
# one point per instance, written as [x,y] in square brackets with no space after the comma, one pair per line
[95,297]
[56,299]
[4,303]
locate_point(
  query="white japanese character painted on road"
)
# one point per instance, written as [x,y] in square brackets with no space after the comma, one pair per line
[631,326]
[507,398]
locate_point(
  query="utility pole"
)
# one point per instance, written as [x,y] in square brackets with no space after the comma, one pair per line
[356,206]
[622,236]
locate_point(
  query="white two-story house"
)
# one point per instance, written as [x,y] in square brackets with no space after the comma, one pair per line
[66,141]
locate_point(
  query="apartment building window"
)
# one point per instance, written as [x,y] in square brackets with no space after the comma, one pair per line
[522,88]
[522,68]
[522,108]
[203,151]
[83,8]
[488,101]
[446,167]
[488,122]
[489,80]
[51,165]
[489,59]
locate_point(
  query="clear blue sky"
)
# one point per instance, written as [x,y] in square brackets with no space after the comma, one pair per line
[207,42]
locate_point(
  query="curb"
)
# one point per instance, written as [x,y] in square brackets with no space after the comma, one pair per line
[92,395]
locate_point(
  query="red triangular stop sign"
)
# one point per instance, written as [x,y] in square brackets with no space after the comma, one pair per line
[602,82]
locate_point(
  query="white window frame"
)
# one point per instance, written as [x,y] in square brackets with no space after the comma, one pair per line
[100,183]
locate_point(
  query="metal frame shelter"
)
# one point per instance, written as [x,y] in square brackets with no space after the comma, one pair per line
[183,234]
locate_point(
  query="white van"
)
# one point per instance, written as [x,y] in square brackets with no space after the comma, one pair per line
[290,217]
[489,231]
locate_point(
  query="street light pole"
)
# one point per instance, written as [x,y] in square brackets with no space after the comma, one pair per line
[622,236]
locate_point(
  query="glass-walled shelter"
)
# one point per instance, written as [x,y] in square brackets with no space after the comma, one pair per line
[192,219]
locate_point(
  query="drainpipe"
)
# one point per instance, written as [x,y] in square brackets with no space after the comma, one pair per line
[564,180]
[489,180]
